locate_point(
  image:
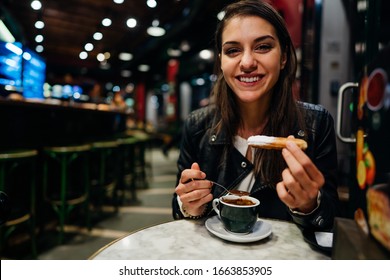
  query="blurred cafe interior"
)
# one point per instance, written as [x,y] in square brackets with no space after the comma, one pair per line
[93,94]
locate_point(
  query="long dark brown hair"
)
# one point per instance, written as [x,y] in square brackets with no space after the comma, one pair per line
[283,113]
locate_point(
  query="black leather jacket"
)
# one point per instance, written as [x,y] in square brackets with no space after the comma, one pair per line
[202,145]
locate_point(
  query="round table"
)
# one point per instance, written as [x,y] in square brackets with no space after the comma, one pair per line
[191,240]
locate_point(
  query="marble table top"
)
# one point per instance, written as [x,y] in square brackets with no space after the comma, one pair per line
[191,240]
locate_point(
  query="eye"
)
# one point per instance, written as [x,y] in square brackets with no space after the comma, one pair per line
[231,51]
[263,48]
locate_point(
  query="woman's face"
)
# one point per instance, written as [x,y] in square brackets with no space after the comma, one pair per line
[251,58]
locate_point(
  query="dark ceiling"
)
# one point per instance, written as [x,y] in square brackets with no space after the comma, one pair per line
[70,24]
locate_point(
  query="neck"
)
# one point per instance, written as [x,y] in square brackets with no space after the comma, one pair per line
[246,132]
[253,121]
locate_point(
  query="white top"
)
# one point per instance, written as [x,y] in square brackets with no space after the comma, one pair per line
[241,145]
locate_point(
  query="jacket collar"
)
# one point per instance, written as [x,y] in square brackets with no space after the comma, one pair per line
[217,138]
[220,138]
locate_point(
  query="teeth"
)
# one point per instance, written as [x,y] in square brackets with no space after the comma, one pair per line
[249,80]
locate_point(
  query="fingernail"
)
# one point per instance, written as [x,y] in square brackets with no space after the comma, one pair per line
[203,175]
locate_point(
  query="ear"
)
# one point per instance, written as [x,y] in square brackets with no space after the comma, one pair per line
[283,60]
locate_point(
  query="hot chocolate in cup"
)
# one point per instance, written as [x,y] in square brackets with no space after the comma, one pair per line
[237,213]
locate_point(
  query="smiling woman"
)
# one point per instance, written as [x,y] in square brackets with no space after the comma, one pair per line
[253,96]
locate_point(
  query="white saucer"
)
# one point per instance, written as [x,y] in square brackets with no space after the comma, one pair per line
[260,231]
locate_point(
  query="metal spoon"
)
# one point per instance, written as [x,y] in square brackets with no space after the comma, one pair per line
[243,193]
[234,192]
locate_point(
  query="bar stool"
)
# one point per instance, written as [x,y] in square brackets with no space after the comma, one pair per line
[127,175]
[140,164]
[104,172]
[63,198]
[18,181]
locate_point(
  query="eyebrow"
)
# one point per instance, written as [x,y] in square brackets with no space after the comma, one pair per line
[259,39]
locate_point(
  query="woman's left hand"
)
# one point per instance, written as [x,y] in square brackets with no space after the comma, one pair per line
[301,180]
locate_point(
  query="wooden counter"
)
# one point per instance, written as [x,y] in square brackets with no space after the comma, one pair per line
[34,124]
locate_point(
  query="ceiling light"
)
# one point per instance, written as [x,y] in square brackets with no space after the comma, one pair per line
[106,22]
[39,24]
[100,57]
[5,34]
[119,1]
[125,56]
[143,68]
[88,47]
[151,3]
[98,36]
[36,5]
[39,38]
[27,56]
[206,54]
[107,55]
[155,31]
[131,22]
[39,48]
[83,55]
[14,48]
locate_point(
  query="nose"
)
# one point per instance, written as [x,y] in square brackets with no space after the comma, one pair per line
[248,62]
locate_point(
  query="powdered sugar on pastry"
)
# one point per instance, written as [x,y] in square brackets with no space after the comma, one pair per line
[271,142]
[260,139]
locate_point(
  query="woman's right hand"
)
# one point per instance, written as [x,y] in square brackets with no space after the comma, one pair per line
[194,190]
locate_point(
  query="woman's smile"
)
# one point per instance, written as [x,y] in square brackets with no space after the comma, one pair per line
[249,80]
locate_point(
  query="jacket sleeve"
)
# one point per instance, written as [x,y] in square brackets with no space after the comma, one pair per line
[323,152]
[187,156]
